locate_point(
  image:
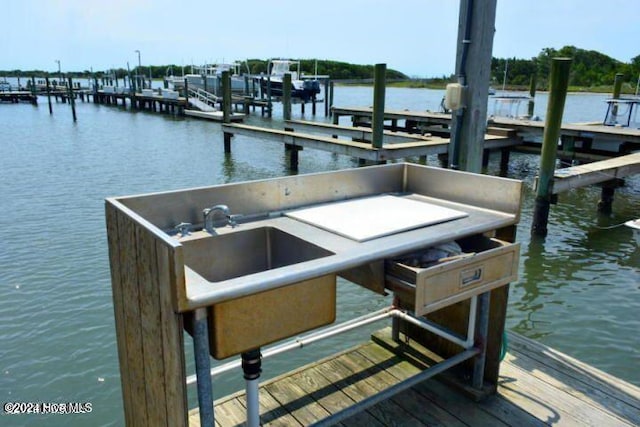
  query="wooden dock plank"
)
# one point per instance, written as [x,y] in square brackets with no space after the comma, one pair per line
[596,172]
[437,394]
[577,378]
[441,411]
[296,401]
[549,404]
[151,328]
[538,386]
[358,385]
[377,380]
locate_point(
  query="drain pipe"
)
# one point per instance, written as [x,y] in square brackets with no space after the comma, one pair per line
[454,161]
[251,368]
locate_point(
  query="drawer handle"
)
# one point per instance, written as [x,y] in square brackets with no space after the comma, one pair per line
[470,276]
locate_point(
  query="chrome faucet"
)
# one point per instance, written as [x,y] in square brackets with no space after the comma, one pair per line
[210,214]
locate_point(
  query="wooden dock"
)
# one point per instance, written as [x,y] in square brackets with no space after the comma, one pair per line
[578,138]
[537,386]
[17,96]
[353,141]
[595,173]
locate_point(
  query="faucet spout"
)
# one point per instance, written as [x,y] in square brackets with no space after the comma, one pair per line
[210,214]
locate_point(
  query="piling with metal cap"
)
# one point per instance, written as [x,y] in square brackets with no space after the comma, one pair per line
[377,122]
[559,82]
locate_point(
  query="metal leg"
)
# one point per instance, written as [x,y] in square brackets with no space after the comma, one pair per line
[203,366]
[482,329]
[252,367]
[395,329]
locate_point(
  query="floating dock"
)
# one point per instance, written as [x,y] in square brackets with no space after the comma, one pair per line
[537,386]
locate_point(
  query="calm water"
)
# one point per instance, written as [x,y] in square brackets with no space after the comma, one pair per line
[579,289]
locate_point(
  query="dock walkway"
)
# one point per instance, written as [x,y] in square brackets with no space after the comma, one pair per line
[538,386]
[595,173]
[325,137]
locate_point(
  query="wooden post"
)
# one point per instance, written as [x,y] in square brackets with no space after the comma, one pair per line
[186,92]
[476,27]
[559,81]
[149,332]
[226,97]
[326,97]
[532,94]
[330,97]
[607,192]
[46,79]
[377,125]
[269,103]
[286,96]
[72,100]
[617,88]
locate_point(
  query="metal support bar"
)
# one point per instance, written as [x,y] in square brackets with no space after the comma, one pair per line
[203,366]
[481,334]
[306,340]
[439,330]
[357,322]
[395,389]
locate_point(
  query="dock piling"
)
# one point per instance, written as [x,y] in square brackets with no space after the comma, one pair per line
[532,94]
[559,82]
[286,97]
[49,95]
[377,124]
[72,100]
[226,97]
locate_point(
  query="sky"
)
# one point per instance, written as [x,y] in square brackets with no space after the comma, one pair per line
[416,37]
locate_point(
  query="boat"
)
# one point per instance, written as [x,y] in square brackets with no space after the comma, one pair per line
[208,77]
[508,106]
[302,88]
[622,112]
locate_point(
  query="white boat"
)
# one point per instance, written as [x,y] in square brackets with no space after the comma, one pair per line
[209,78]
[301,87]
[508,106]
[623,112]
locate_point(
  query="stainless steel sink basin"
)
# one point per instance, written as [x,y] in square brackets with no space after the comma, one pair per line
[252,321]
[240,253]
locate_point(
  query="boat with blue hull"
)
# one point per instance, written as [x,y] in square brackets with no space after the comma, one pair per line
[302,88]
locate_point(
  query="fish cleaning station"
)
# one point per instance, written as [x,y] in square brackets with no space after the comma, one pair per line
[247,271]
[241,266]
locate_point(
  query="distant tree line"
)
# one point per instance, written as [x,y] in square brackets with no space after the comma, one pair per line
[589,69]
[336,70]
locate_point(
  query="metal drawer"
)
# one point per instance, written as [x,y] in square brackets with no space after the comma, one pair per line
[493,263]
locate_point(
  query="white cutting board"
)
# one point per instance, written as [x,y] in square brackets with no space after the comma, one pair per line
[373,217]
